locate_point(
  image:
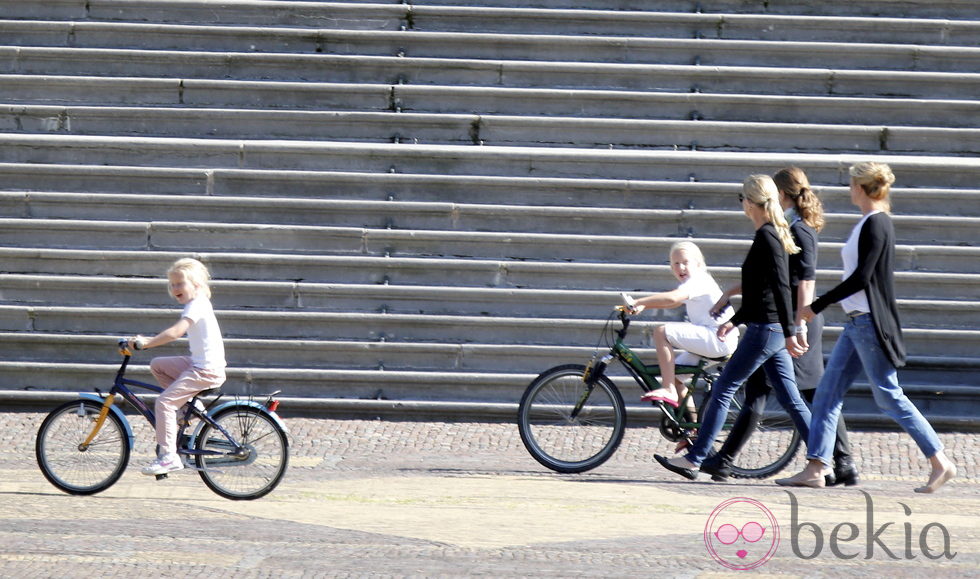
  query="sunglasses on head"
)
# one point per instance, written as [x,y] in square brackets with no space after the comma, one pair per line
[751,532]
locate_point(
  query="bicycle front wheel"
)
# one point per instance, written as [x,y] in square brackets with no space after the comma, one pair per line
[773,444]
[68,466]
[568,426]
[253,468]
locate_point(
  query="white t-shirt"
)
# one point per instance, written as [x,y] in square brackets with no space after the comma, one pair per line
[702,293]
[207,348]
[858,301]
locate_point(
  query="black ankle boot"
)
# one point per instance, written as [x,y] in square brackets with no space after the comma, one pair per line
[845,473]
[719,468]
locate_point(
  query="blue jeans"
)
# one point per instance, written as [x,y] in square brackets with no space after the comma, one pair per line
[761,345]
[858,349]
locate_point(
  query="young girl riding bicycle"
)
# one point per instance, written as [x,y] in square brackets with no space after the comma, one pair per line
[183,377]
[695,338]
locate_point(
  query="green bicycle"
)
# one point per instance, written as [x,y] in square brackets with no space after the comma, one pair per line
[572,417]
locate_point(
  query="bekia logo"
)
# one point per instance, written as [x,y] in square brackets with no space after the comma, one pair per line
[741,534]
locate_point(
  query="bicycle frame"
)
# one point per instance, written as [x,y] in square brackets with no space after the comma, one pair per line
[121,387]
[645,375]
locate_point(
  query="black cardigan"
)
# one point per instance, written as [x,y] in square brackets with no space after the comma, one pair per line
[766,296]
[875,275]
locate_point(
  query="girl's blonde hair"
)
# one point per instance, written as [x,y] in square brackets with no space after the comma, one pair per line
[690,248]
[793,183]
[194,272]
[761,190]
[875,179]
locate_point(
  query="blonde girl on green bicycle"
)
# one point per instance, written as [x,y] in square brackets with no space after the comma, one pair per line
[697,337]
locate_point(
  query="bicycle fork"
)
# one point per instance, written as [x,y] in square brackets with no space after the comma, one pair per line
[103,413]
[593,371]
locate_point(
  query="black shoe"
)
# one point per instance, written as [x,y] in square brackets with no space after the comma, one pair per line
[684,472]
[719,468]
[845,474]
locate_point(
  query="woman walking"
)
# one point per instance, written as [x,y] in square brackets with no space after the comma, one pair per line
[872,338]
[770,336]
[804,213]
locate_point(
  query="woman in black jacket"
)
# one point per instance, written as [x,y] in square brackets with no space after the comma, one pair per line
[804,213]
[766,310]
[872,338]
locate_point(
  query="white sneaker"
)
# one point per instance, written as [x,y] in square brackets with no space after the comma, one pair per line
[163,465]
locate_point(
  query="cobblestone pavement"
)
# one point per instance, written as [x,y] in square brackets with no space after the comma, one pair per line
[384,498]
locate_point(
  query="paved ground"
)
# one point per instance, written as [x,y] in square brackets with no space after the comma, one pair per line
[382,498]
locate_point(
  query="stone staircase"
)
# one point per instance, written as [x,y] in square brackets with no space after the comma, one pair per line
[417,207]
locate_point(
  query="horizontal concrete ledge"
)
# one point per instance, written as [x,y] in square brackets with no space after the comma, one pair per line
[516,161]
[920,230]
[435,300]
[458,411]
[514,16]
[490,72]
[310,241]
[606,103]
[424,271]
[544,45]
[447,128]
[866,8]
[30,178]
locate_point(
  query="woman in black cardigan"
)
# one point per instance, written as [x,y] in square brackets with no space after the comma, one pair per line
[804,213]
[770,339]
[872,338]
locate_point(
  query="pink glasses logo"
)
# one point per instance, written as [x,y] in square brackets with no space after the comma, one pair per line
[741,534]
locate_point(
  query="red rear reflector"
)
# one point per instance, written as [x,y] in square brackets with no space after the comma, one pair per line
[273,405]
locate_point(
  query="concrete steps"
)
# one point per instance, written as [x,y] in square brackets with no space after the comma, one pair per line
[419,201]
[353,241]
[497,130]
[83,291]
[83,90]
[911,22]
[496,46]
[490,72]
[916,171]
[962,9]
[28,178]
[355,326]
[434,216]
[938,401]
[426,271]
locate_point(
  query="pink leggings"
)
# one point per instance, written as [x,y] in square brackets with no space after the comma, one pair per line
[181,381]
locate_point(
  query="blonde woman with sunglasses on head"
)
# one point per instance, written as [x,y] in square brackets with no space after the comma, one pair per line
[770,339]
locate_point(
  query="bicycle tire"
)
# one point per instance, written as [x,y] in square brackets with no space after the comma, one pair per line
[71,469]
[259,469]
[773,444]
[564,443]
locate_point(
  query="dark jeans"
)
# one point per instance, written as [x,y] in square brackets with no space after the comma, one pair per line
[762,345]
[757,392]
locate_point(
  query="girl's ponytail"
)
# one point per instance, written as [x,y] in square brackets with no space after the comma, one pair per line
[793,183]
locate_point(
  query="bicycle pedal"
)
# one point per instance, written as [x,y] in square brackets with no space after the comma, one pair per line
[161,476]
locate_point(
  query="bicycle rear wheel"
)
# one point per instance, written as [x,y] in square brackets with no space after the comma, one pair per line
[557,436]
[71,468]
[773,444]
[251,471]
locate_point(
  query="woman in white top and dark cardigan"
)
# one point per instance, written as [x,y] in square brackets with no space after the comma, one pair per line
[872,337]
